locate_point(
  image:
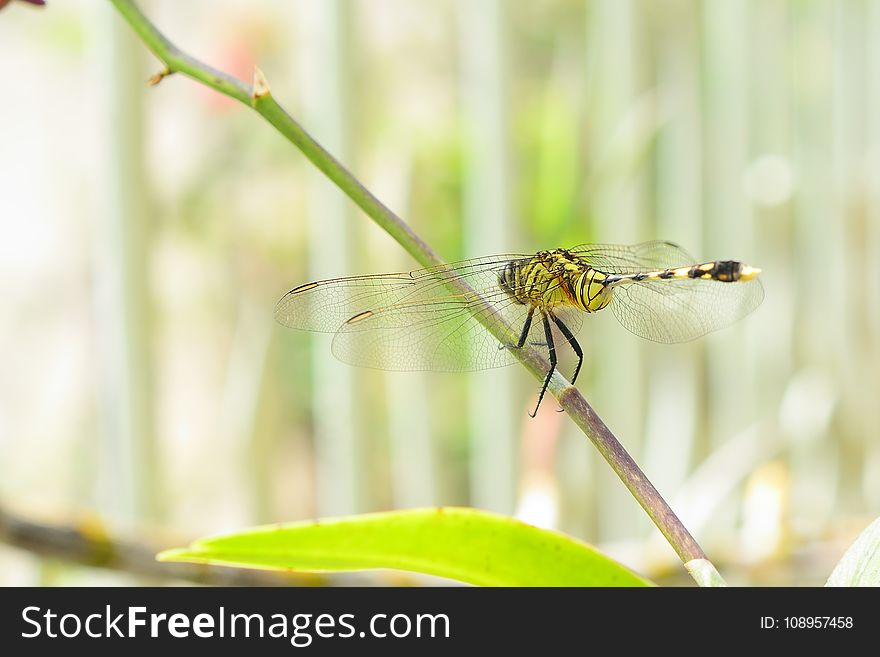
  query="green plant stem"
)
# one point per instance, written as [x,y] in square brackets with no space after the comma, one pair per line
[570,399]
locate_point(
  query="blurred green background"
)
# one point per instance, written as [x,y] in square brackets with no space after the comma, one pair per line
[148,232]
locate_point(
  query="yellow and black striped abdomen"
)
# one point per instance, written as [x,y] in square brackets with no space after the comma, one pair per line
[725,271]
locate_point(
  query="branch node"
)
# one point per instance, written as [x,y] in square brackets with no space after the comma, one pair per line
[704,572]
[153,80]
[261,85]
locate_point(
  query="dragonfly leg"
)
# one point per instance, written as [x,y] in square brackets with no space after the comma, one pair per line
[552,349]
[524,334]
[576,347]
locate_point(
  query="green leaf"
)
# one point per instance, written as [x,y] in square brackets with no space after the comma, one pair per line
[860,566]
[459,543]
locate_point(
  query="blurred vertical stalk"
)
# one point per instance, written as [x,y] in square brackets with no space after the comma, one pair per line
[408,396]
[673,413]
[327,77]
[769,185]
[487,221]
[409,434]
[127,475]
[240,406]
[847,159]
[728,217]
[817,326]
[871,293]
[614,122]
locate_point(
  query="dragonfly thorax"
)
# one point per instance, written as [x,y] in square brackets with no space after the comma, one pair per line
[553,278]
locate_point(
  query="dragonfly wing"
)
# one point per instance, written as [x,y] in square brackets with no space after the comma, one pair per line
[635,258]
[450,321]
[441,318]
[325,305]
[679,310]
[443,336]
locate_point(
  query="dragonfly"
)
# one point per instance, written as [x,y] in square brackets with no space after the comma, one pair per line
[475,314]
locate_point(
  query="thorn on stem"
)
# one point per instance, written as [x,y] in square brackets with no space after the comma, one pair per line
[153,80]
[261,86]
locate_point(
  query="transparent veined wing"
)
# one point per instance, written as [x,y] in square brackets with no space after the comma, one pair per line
[325,305]
[672,310]
[635,258]
[428,319]
[679,310]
